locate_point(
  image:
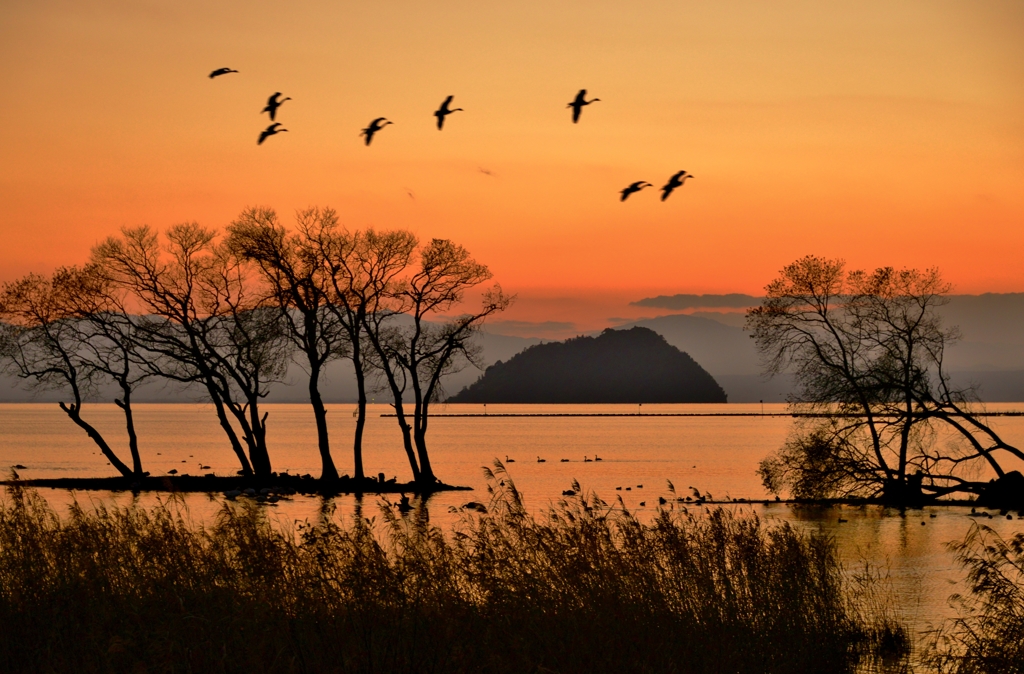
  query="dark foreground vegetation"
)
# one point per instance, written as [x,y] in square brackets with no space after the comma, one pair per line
[584,588]
[988,636]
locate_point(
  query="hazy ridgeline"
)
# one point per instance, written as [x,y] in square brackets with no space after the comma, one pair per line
[618,366]
[584,588]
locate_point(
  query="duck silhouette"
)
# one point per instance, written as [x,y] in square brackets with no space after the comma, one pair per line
[675,181]
[221,71]
[444,111]
[273,103]
[633,187]
[577,104]
[375,126]
[270,131]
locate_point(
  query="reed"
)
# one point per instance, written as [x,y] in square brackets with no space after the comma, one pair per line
[988,634]
[585,587]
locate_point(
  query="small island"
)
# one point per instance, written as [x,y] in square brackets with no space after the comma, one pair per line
[617,366]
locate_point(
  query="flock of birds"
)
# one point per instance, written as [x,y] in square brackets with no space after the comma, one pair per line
[576,104]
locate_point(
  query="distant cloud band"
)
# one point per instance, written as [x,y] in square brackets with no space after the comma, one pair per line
[731,300]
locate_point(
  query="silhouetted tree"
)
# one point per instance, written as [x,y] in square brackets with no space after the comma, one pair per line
[301,281]
[867,352]
[66,332]
[417,352]
[111,341]
[205,323]
[364,268]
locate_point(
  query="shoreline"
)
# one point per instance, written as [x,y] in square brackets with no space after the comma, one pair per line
[300,484]
[675,414]
[311,486]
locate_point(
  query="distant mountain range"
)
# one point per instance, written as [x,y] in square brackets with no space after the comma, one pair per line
[618,366]
[990,355]
[681,302]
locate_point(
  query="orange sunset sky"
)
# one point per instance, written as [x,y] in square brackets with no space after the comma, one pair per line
[886,133]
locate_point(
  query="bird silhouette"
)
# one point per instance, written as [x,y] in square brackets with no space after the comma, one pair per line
[375,126]
[221,71]
[578,103]
[444,111]
[508,460]
[675,181]
[269,131]
[273,103]
[540,460]
[634,187]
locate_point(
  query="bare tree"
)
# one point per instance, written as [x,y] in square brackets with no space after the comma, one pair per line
[365,272]
[417,352]
[867,353]
[301,281]
[111,340]
[66,333]
[205,323]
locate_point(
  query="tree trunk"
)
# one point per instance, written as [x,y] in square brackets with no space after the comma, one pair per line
[328,471]
[129,421]
[426,471]
[225,424]
[419,421]
[258,453]
[73,413]
[406,434]
[357,443]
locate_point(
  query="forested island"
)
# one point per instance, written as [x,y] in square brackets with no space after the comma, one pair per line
[617,366]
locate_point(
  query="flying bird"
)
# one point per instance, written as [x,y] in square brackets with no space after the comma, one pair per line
[444,111]
[675,181]
[375,126]
[269,131]
[273,103]
[221,71]
[578,103]
[633,187]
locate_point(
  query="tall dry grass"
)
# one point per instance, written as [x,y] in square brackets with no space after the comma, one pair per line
[585,587]
[988,635]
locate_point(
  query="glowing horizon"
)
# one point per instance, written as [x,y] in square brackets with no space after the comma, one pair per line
[881,134]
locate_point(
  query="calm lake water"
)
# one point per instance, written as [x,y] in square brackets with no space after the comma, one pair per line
[713,454]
